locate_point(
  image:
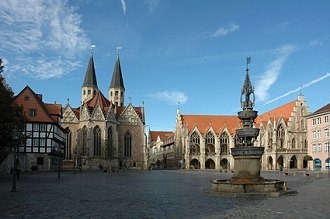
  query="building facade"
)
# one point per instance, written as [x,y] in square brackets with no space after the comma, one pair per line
[319,138]
[105,132]
[205,141]
[42,139]
[161,149]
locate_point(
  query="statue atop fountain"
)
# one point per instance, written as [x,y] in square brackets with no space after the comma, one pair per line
[247,154]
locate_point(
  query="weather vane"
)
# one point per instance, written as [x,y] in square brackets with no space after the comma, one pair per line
[118,48]
[248,61]
[92,48]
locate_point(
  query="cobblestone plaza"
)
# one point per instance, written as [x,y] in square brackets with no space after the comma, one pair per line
[155,194]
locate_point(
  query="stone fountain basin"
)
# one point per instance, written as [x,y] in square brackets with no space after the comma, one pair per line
[266,187]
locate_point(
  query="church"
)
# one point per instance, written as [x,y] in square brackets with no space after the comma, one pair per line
[104,132]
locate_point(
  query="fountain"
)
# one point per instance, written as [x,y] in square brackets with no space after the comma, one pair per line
[247,157]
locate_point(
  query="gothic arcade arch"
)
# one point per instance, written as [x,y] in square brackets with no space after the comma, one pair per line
[225,165]
[195,164]
[270,163]
[293,162]
[209,164]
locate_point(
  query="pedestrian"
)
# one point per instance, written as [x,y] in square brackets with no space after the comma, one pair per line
[80,166]
[18,168]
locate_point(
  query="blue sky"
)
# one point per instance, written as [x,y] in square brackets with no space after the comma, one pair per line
[188,51]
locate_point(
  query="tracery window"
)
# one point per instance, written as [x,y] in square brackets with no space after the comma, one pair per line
[270,137]
[194,138]
[209,138]
[97,141]
[84,141]
[128,144]
[293,144]
[280,136]
[68,143]
[110,143]
[224,140]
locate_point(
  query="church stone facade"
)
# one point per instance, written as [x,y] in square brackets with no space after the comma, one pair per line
[104,132]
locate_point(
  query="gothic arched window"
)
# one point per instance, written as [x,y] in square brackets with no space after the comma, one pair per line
[68,143]
[280,136]
[97,141]
[128,144]
[270,137]
[194,138]
[209,138]
[293,145]
[84,141]
[224,140]
[110,143]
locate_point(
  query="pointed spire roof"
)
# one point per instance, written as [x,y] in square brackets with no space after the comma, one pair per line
[90,77]
[247,102]
[117,77]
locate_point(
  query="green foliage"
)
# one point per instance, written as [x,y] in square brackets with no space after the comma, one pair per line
[11,119]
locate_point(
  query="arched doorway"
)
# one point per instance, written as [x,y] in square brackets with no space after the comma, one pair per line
[195,164]
[293,162]
[280,162]
[269,163]
[317,164]
[224,164]
[209,164]
[327,163]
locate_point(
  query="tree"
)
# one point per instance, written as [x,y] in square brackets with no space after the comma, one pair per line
[11,120]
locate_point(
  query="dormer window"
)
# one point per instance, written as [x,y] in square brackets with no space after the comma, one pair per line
[32,112]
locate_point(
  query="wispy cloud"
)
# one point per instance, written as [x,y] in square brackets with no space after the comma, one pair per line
[298,88]
[171,97]
[319,42]
[32,28]
[225,30]
[123,5]
[270,76]
[151,5]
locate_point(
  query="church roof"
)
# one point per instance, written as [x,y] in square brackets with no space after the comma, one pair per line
[217,122]
[117,77]
[90,76]
[100,100]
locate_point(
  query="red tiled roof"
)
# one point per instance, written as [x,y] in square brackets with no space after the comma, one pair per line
[203,122]
[100,100]
[284,111]
[163,135]
[29,100]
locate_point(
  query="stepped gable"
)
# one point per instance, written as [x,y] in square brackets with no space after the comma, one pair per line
[282,111]
[203,122]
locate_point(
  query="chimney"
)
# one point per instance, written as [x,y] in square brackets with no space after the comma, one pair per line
[40,96]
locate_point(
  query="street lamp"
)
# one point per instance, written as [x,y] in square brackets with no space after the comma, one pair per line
[15,142]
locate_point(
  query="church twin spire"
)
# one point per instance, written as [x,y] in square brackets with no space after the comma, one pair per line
[116,89]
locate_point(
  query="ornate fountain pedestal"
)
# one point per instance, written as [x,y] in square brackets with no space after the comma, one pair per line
[247,158]
[247,162]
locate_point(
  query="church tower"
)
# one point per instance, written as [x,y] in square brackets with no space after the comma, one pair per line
[117,88]
[89,87]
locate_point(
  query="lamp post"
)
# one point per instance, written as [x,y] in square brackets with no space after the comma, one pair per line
[15,137]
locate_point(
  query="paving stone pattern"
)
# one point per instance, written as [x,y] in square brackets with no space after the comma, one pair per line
[154,194]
